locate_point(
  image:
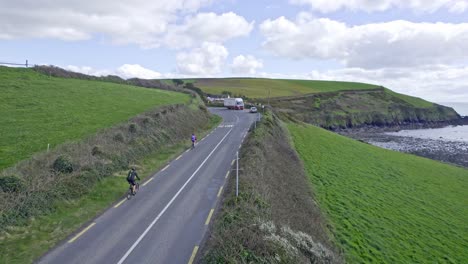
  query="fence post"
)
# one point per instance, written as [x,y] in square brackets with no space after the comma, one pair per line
[26,63]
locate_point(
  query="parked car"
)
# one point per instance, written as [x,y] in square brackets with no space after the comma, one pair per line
[253,109]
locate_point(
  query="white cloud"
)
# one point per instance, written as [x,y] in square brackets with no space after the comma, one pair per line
[88,70]
[246,65]
[205,60]
[436,83]
[207,27]
[426,6]
[126,21]
[136,71]
[125,71]
[390,44]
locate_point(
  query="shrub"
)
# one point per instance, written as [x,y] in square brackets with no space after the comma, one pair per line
[63,164]
[119,137]
[11,184]
[96,151]
[132,128]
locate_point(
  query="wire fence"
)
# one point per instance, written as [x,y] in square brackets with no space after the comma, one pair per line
[15,64]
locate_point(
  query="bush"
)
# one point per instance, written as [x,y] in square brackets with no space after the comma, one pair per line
[119,137]
[63,164]
[11,184]
[96,151]
[132,128]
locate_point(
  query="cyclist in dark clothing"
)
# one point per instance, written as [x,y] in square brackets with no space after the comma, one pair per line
[132,174]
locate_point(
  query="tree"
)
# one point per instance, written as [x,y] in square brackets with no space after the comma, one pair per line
[177,82]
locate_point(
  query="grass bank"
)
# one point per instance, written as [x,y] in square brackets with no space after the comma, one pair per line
[37,110]
[263,88]
[385,206]
[274,219]
[26,242]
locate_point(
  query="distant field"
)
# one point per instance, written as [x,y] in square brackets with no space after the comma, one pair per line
[259,88]
[36,110]
[385,206]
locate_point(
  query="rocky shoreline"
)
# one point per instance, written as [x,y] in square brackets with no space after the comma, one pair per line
[395,127]
[454,152]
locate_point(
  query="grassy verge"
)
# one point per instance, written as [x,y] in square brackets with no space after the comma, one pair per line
[24,244]
[385,206]
[274,219]
[38,110]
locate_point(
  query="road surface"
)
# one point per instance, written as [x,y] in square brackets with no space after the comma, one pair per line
[166,221]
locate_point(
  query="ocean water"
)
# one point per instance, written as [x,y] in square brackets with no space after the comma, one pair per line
[450,133]
[461,108]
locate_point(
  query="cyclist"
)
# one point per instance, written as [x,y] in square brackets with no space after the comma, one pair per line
[194,140]
[131,178]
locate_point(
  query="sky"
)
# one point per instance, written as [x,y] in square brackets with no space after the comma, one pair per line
[416,47]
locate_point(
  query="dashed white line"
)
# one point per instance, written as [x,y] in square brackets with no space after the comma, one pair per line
[165,168]
[148,181]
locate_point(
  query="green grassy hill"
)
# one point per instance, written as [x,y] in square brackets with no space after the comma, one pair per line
[332,104]
[37,110]
[385,206]
[260,88]
[379,107]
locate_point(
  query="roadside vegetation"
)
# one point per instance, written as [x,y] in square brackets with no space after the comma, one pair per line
[264,88]
[38,110]
[386,206]
[274,219]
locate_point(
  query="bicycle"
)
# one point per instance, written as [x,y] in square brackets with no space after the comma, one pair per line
[130,192]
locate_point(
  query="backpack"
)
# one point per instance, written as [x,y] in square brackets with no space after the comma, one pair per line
[131,176]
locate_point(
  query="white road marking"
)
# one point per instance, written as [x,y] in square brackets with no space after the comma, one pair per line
[170,202]
[147,181]
[121,202]
[81,233]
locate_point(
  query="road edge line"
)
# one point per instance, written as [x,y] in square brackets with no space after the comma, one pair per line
[81,233]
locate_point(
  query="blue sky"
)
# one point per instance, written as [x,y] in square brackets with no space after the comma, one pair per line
[413,46]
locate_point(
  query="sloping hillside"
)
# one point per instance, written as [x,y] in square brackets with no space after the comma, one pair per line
[37,110]
[379,107]
[386,206]
[263,88]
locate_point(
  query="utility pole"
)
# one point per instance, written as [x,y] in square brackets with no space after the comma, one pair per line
[237,173]
[269,91]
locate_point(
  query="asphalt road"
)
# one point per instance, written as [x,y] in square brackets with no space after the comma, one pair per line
[167,219]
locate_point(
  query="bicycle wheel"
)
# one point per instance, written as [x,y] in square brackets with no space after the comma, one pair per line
[137,187]
[129,193]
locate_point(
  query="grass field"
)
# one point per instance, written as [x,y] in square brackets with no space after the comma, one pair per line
[37,110]
[259,88]
[385,206]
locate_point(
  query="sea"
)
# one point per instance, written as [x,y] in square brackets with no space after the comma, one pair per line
[449,133]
